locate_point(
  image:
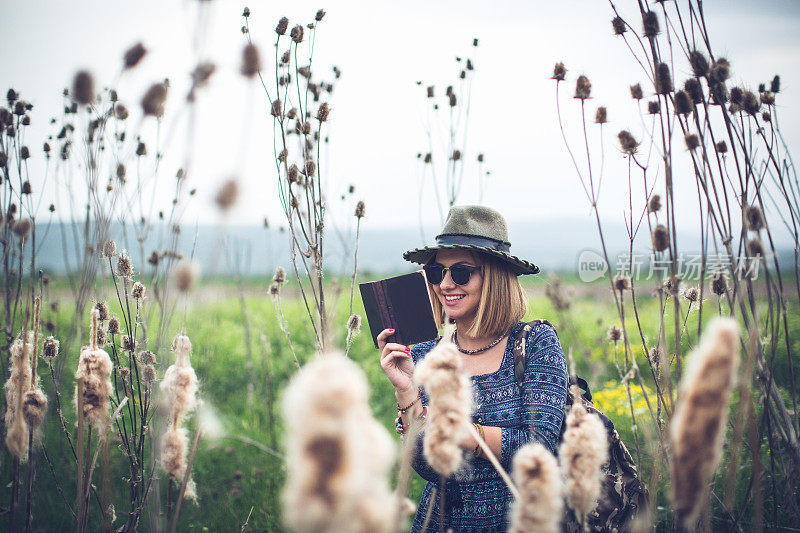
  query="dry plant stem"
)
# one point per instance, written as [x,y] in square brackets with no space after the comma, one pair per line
[353,284]
[100,443]
[174,521]
[284,325]
[442,495]
[55,480]
[31,457]
[79,491]
[489,455]
[429,511]
[410,440]
[247,521]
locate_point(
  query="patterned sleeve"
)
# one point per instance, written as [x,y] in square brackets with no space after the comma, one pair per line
[418,462]
[544,394]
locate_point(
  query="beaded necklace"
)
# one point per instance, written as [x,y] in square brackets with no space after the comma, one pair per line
[479,350]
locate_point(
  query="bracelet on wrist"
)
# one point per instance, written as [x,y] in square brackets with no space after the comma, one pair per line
[401,428]
[409,406]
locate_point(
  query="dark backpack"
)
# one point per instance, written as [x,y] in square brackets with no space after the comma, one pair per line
[624,494]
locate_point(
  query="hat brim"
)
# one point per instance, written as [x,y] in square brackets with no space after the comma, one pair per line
[518,266]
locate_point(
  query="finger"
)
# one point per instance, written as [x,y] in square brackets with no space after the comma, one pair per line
[384,334]
[393,358]
[394,347]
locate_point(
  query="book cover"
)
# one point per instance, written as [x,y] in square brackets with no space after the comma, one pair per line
[402,303]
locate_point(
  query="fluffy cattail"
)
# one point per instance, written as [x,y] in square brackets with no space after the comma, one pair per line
[719,285]
[251,60]
[583,452]
[636,92]
[83,87]
[94,367]
[601,116]
[133,55]
[138,291]
[627,142]
[650,24]
[450,406]
[654,205]
[337,456]
[754,218]
[619,25]
[19,382]
[153,100]
[179,386]
[283,24]
[227,195]
[559,72]
[698,425]
[660,238]
[583,88]
[663,79]
[185,275]
[280,275]
[173,451]
[537,475]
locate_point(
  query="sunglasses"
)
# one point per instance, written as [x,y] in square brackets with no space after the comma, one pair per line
[460,274]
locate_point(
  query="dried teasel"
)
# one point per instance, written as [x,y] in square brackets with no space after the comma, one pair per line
[683,103]
[750,103]
[292,173]
[22,227]
[719,93]
[650,26]
[699,63]
[283,25]
[654,204]
[767,98]
[600,116]
[275,110]
[83,87]
[50,348]
[694,90]
[149,373]
[614,334]
[124,267]
[721,147]
[663,79]
[559,72]
[354,323]
[360,209]
[141,149]
[320,14]
[297,34]
[653,107]
[720,70]
[619,25]
[660,238]
[251,60]
[692,294]
[280,275]
[775,85]
[133,55]
[754,218]
[622,283]
[583,88]
[323,112]
[102,311]
[153,100]
[113,326]
[185,275]
[138,291]
[719,284]
[692,141]
[227,195]
[755,248]
[310,168]
[636,92]
[628,144]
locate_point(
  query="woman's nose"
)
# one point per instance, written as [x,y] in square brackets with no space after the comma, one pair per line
[447,281]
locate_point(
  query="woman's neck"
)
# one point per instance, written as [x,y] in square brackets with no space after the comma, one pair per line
[467,341]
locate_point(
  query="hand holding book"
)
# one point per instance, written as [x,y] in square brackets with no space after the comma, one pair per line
[396,362]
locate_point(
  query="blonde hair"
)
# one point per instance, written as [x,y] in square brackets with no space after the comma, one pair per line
[502,304]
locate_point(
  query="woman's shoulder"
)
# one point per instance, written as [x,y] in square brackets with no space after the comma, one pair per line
[540,339]
[420,349]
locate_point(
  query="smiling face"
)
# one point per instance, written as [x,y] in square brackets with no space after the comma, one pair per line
[460,302]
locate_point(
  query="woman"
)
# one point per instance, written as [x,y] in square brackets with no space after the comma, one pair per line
[472,278]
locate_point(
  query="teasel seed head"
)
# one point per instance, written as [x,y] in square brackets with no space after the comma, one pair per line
[721,147]
[537,476]
[185,275]
[692,294]
[141,149]
[274,289]
[297,34]
[276,108]
[22,227]
[636,92]
[102,311]
[654,204]
[627,142]
[755,248]
[306,128]
[227,195]
[650,24]
[619,25]
[700,417]
[124,373]
[672,286]
[124,267]
[147,357]
[153,100]
[653,107]
[766,117]
[737,95]
[663,79]
[660,238]
[583,88]
[453,100]
[133,55]
[600,116]
[323,112]
[692,141]
[622,283]
[750,103]
[138,291]
[251,60]
[456,155]
[354,323]
[120,111]
[149,373]
[320,14]
[720,70]
[25,153]
[614,334]
[775,85]
[719,284]
[683,103]
[109,249]
[767,98]
[559,72]
[754,218]
[121,172]
[113,325]
[360,209]
[50,348]
[128,343]
[283,24]
[699,63]
[719,93]
[280,275]
[83,87]
[694,90]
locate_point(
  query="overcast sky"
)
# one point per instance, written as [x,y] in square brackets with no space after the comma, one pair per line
[377,123]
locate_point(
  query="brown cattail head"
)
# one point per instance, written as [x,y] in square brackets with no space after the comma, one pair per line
[297,34]
[614,334]
[323,112]
[50,348]
[18,383]
[185,275]
[583,88]
[660,238]
[698,424]
[694,90]
[692,141]
[538,478]
[583,452]
[83,87]
[34,407]
[227,195]
[720,70]
[153,100]
[683,103]
[627,142]
[133,55]
[619,25]
[663,79]
[600,116]
[138,291]
[719,285]
[650,26]
[282,26]
[636,92]
[654,204]
[653,107]
[754,218]
[559,72]
[360,209]
[94,369]
[699,63]
[251,60]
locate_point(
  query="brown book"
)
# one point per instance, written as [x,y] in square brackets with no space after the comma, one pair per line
[401,303]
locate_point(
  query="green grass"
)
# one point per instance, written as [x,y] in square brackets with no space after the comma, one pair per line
[234,476]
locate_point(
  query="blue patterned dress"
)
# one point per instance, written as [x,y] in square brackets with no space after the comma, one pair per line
[476,499]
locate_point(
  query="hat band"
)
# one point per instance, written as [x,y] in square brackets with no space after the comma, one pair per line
[473,240]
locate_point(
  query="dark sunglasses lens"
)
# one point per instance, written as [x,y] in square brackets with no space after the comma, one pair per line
[460,274]
[434,273]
